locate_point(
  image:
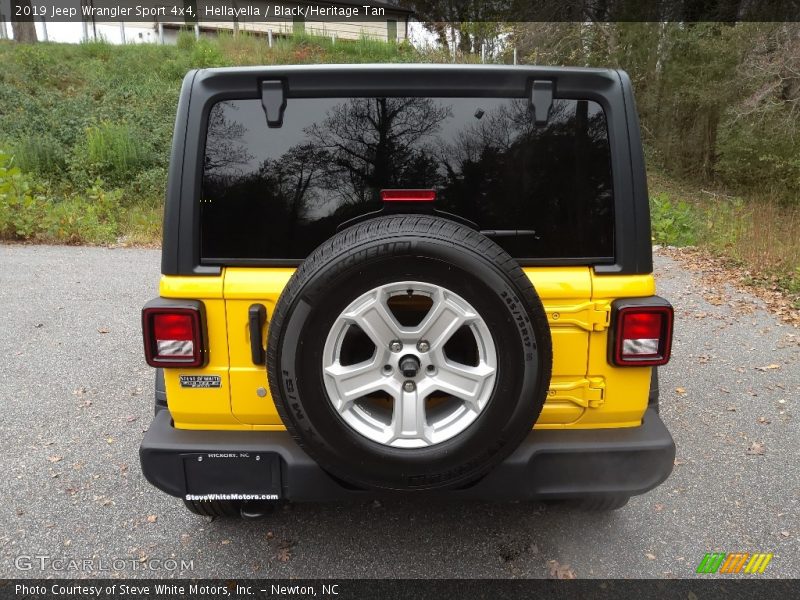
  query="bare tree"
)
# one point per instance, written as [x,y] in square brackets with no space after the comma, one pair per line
[375,142]
[224,148]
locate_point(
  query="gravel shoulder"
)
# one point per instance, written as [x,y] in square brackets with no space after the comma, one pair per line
[77,396]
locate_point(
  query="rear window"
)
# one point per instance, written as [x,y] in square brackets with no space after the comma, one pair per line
[541,192]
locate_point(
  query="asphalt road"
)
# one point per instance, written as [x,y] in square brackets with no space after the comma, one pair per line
[76,396]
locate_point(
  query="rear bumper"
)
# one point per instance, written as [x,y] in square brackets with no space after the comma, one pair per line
[549,464]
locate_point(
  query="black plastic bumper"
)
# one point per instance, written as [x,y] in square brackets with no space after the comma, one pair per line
[549,464]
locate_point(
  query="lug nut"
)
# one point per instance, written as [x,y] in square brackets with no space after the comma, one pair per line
[430,369]
[409,386]
[423,346]
[395,346]
[387,369]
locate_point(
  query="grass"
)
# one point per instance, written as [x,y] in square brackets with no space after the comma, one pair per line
[759,236]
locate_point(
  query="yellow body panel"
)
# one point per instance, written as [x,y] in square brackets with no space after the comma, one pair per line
[585,391]
[211,407]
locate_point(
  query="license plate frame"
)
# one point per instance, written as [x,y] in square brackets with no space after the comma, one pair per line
[219,475]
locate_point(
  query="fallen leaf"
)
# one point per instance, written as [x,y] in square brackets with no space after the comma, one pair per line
[658,506]
[152,518]
[102,330]
[785,533]
[650,556]
[756,448]
[680,390]
[679,461]
[731,409]
[270,535]
[763,421]
[55,459]
[225,542]
[558,571]
[284,554]
[131,418]
[110,440]
[768,367]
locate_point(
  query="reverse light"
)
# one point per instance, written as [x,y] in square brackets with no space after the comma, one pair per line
[641,332]
[173,336]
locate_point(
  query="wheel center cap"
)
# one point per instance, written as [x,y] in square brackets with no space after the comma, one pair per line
[409,365]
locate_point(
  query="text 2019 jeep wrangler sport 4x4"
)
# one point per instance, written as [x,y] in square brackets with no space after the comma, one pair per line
[420,279]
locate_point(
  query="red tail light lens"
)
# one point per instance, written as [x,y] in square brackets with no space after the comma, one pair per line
[642,335]
[170,326]
[173,337]
[408,195]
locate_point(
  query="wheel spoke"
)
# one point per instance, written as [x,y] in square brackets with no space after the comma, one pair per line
[443,320]
[375,319]
[408,420]
[463,381]
[354,381]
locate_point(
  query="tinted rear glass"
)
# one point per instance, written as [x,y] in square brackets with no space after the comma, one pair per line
[541,192]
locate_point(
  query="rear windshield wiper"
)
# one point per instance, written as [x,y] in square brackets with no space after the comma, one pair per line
[507,232]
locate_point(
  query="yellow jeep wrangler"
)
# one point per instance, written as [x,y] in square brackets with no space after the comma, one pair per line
[408,279]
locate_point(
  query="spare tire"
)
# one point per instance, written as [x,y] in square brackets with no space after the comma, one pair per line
[409,352]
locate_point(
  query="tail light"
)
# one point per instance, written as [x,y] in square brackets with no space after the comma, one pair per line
[173,334]
[641,332]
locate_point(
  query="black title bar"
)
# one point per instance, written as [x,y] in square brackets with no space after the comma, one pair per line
[251,11]
[710,588]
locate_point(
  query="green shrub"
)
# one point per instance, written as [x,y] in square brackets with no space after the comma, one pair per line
[113,150]
[761,155]
[141,224]
[22,204]
[673,223]
[76,220]
[725,222]
[149,185]
[41,154]
[28,211]
[206,54]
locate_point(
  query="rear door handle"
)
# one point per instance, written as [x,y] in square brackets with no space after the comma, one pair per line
[257,316]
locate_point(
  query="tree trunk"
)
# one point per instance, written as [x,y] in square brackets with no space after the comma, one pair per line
[24,31]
